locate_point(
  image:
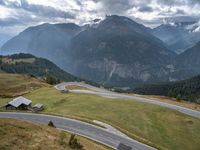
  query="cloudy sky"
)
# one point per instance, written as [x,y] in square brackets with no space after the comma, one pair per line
[16,15]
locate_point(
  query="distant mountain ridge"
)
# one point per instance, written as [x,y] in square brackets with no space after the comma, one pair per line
[179,36]
[3,39]
[46,40]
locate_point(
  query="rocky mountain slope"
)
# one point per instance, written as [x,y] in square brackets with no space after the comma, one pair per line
[119,52]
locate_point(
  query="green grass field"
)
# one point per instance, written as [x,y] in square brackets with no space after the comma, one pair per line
[157,126]
[14,61]
[25,60]
[75,87]
[20,135]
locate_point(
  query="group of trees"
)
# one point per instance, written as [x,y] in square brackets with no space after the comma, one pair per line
[20,56]
[171,94]
[188,90]
[51,79]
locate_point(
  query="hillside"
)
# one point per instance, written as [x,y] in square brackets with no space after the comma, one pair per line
[46,40]
[186,65]
[12,85]
[23,135]
[3,39]
[31,65]
[116,51]
[189,89]
[189,59]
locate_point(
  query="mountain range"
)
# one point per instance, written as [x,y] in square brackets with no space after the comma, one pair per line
[115,51]
[46,40]
[178,36]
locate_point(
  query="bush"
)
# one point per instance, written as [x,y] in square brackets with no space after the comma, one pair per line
[178,97]
[62,138]
[51,80]
[170,93]
[74,144]
[51,124]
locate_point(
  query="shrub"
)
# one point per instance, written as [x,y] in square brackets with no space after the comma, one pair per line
[170,93]
[178,97]
[74,144]
[62,138]
[50,79]
[51,124]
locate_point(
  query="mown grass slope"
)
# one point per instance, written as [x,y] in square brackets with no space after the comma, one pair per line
[157,126]
[20,135]
[12,85]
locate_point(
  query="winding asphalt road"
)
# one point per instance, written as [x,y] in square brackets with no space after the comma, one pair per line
[95,133]
[109,94]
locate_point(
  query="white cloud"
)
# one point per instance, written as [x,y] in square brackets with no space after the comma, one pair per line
[150,12]
[58,4]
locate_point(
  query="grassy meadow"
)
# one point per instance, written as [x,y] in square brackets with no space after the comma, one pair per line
[12,85]
[157,126]
[154,125]
[20,135]
[75,87]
